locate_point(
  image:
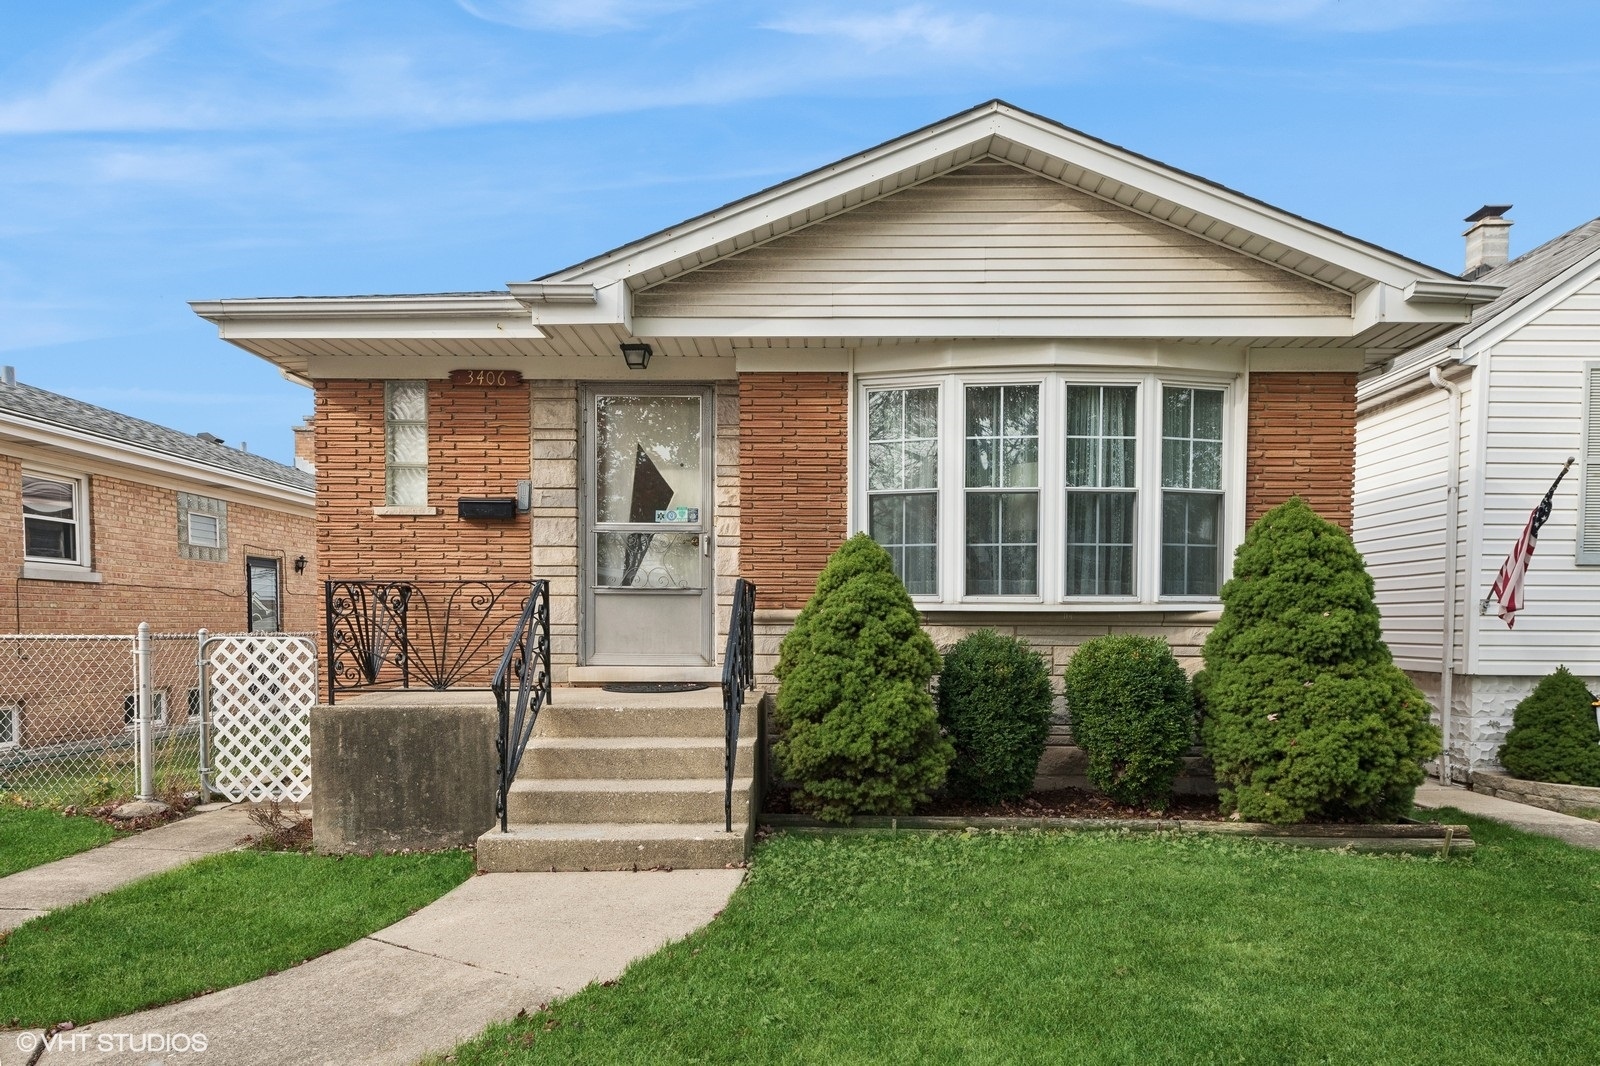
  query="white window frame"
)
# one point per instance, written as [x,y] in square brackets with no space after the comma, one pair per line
[80,519]
[215,540]
[158,701]
[1588,532]
[1053,382]
[14,713]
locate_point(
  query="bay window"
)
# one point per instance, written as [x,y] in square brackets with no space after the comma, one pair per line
[1059,487]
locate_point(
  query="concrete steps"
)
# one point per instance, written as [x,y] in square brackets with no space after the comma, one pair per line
[620,781]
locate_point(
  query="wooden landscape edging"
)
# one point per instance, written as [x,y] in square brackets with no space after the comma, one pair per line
[1414,838]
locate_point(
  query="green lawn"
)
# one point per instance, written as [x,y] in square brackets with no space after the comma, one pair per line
[214,923]
[1105,948]
[32,836]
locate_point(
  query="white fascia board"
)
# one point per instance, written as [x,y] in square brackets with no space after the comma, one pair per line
[966,132]
[1387,388]
[1385,304]
[612,306]
[442,315]
[109,450]
[1530,307]
[528,293]
[1267,329]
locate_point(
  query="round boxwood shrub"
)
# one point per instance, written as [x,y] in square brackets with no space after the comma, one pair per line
[1305,715]
[1132,714]
[1553,734]
[994,704]
[860,735]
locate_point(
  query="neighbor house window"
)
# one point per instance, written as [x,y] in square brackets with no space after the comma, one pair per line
[202,528]
[1060,486]
[903,482]
[54,517]
[10,726]
[405,433]
[158,704]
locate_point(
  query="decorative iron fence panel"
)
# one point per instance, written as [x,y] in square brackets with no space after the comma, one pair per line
[425,634]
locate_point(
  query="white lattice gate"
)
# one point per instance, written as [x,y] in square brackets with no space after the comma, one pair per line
[261,687]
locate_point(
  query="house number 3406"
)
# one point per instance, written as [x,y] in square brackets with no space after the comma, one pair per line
[486,378]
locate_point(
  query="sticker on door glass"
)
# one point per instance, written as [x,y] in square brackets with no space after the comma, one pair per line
[678,514]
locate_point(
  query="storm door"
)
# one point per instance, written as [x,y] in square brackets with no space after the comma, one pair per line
[647,560]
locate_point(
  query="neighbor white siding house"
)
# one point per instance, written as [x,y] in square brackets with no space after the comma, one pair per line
[1515,393]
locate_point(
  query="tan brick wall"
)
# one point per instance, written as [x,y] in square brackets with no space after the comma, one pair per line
[134,547]
[793,480]
[478,445]
[1302,441]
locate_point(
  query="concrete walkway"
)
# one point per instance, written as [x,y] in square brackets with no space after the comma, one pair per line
[497,944]
[1578,831]
[30,893]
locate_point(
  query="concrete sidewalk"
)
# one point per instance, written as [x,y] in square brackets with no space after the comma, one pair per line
[30,893]
[497,944]
[1577,831]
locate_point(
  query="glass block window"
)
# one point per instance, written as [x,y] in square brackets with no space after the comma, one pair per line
[1191,491]
[405,431]
[1001,460]
[903,482]
[1101,466]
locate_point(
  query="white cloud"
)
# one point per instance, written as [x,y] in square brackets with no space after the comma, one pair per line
[915,25]
[575,16]
[1347,15]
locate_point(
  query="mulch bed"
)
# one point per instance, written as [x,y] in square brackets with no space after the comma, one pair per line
[1055,803]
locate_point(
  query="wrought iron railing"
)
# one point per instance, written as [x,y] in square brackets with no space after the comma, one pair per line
[738,674]
[526,663]
[432,634]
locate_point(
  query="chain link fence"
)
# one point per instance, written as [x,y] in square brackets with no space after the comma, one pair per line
[69,716]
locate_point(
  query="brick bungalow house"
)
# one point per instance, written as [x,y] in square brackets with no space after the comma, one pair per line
[1055,378]
[111,521]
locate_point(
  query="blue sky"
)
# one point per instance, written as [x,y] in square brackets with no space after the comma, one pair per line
[154,153]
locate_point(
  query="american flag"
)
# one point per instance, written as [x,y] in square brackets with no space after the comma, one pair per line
[1507,590]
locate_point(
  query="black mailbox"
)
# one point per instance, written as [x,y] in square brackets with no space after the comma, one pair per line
[500,508]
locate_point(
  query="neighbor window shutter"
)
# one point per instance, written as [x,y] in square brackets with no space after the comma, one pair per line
[1589,499]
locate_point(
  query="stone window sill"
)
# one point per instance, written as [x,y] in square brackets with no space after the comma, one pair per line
[404,511]
[59,572]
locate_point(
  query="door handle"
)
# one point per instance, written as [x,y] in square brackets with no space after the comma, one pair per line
[705,544]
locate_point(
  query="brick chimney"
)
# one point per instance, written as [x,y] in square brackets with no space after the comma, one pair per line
[305,451]
[1488,240]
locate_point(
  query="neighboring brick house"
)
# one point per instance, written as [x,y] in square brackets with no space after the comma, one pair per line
[111,521]
[114,521]
[1055,378]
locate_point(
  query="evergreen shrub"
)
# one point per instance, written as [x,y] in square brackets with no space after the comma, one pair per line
[1132,714]
[994,704]
[1305,716]
[1553,734]
[860,734]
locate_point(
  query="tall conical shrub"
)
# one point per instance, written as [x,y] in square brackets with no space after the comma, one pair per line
[860,735]
[1553,734]
[1306,717]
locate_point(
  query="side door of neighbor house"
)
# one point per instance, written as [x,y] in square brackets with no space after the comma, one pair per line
[647,574]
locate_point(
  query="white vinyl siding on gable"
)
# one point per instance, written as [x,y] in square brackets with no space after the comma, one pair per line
[1537,407]
[987,241]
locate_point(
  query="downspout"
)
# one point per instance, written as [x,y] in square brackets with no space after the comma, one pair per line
[1451,517]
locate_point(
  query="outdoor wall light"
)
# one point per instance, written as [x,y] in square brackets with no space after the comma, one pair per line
[300,564]
[636,355]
